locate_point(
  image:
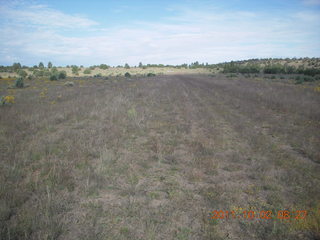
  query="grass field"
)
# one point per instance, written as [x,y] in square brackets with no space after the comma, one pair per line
[120,71]
[153,157]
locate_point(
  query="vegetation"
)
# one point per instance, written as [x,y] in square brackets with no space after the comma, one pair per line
[104,66]
[127,75]
[151,75]
[75,69]
[41,65]
[19,83]
[87,71]
[153,158]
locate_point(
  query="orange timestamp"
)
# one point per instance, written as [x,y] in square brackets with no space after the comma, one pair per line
[283,215]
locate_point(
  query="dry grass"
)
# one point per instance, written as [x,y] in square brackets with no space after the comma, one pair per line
[150,158]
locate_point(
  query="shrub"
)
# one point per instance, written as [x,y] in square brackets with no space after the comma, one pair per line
[308,79]
[22,73]
[126,66]
[75,70]
[19,83]
[7,99]
[103,66]
[127,74]
[62,75]
[299,80]
[98,75]
[53,77]
[87,71]
[151,75]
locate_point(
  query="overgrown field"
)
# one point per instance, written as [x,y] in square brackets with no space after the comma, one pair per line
[152,158]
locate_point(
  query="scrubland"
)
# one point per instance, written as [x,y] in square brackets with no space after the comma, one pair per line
[152,157]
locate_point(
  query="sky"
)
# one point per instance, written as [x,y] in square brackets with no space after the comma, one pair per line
[115,32]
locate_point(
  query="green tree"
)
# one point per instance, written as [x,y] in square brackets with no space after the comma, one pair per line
[126,66]
[41,65]
[49,64]
[16,66]
[140,65]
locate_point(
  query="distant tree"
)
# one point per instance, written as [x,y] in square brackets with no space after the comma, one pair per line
[103,66]
[140,65]
[49,64]
[41,65]
[126,66]
[16,66]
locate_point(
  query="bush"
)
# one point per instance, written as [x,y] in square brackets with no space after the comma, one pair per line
[98,75]
[53,77]
[87,71]
[19,83]
[22,73]
[127,74]
[75,70]
[62,75]
[308,79]
[103,66]
[151,75]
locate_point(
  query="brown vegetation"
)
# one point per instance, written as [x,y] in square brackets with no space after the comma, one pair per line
[150,158]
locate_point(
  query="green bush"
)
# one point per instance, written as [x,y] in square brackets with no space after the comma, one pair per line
[53,77]
[22,73]
[75,69]
[299,80]
[308,79]
[151,75]
[62,75]
[19,83]
[87,71]
[103,66]
[127,74]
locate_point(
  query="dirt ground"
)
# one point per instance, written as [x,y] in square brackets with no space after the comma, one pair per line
[153,158]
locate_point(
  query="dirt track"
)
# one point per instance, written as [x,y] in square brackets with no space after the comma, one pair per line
[151,158]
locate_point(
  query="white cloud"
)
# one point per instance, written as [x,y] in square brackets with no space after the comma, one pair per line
[33,34]
[41,15]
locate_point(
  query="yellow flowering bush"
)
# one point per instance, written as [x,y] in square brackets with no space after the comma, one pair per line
[7,99]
